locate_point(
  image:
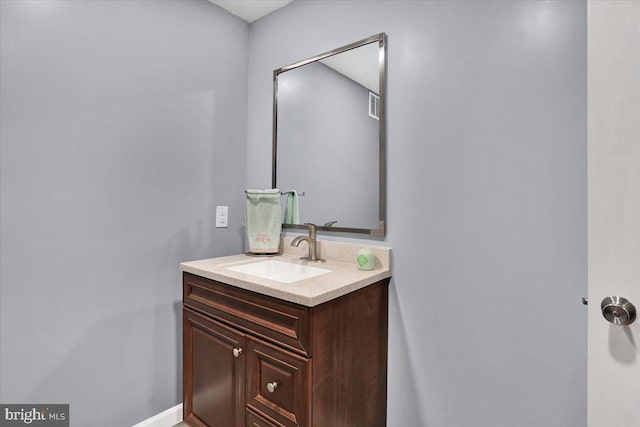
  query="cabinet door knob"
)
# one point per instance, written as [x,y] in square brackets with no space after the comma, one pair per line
[237,352]
[271,387]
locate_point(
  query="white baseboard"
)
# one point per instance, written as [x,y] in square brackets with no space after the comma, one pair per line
[168,418]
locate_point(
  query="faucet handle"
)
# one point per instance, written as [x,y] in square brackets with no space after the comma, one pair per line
[312,229]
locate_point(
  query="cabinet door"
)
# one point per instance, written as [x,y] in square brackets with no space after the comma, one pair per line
[213,373]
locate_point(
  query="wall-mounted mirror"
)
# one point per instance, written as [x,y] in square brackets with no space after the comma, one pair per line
[329,137]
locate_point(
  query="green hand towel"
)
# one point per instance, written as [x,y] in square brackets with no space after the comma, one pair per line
[291,212]
[263,221]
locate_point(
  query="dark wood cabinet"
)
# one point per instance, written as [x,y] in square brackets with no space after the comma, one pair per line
[256,361]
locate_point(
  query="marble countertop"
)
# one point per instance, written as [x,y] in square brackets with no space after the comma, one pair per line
[341,260]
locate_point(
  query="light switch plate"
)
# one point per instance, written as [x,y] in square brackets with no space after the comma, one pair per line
[222,216]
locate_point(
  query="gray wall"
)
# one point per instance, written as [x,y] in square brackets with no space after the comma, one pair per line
[123,125]
[487,198]
[324,130]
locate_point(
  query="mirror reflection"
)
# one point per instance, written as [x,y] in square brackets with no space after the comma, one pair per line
[328,140]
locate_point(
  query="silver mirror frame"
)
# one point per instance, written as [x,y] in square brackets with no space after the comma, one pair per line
[381,39]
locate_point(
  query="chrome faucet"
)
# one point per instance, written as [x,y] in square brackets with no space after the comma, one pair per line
[311,241]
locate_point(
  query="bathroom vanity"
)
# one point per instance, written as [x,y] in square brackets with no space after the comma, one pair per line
[283,345]
[280,342]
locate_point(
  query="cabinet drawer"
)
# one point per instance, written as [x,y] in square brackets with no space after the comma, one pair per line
[278,321]
[278,384]
[254,420]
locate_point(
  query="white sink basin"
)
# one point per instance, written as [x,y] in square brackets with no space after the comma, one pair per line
[279,271]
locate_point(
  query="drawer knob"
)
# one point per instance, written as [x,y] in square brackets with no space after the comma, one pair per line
[271,387]
[237,352]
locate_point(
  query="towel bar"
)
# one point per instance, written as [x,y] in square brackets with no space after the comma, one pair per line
[301,193]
